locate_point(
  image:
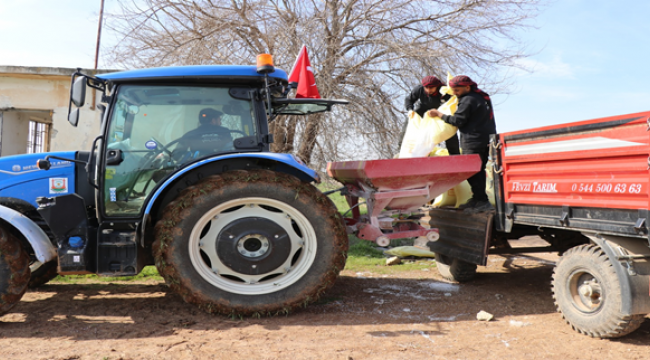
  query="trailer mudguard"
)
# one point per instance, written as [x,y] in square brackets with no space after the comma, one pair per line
[291,165]
[43,248]
[633,271]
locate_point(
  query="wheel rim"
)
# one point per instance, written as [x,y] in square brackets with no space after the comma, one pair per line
[252,246]
[586,293]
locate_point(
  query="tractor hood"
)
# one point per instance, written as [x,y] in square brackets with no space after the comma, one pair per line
[21,179]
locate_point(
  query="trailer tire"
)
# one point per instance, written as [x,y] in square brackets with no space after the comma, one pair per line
[587,293]
[43,274]
[250,243]
[454,269]
[14,271]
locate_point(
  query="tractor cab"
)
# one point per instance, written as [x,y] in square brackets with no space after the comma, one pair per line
[163,130]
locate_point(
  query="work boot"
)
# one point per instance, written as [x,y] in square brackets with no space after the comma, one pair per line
[479,207]
[468,205]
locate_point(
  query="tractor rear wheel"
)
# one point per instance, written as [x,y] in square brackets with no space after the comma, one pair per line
[14,271]
[250,243]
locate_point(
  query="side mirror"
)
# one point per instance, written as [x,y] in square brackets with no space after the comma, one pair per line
[78,91]
[73,117]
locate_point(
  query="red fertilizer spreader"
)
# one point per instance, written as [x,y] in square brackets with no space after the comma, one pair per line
[397,187]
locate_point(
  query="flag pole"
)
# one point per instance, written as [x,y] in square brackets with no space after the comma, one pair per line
[99,37]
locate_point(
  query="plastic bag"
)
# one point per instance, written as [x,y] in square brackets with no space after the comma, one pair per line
[418,138]
[423,134]
[404,251]
[444,131]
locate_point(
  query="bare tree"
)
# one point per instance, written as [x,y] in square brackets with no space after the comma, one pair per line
[370,52]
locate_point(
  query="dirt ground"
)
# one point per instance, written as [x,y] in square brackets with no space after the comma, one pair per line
[413,315]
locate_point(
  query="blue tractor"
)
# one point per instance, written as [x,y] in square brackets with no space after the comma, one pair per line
[181,176]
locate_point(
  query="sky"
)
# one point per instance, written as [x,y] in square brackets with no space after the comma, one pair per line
[589,59]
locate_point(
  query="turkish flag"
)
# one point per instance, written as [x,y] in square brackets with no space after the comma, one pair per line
[303,74]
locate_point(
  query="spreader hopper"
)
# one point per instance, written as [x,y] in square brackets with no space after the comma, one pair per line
[398,186]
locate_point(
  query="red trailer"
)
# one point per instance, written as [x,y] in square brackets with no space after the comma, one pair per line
[584,188]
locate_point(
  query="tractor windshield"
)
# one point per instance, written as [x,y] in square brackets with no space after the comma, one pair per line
[155,129]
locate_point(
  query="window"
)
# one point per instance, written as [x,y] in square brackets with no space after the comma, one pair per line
[158,129]
[39,136]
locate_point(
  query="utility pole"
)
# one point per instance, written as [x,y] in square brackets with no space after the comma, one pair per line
[99,38]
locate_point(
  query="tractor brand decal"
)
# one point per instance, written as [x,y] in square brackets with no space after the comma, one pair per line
[113,194]
[536,187]
[58,185]
[151,145]
[18,169]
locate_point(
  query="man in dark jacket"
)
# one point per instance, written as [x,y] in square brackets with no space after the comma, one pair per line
[209,137]
[424,98]
[475,121]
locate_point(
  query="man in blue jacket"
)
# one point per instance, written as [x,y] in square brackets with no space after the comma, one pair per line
[475,121]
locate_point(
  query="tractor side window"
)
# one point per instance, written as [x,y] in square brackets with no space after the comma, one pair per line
[160,128]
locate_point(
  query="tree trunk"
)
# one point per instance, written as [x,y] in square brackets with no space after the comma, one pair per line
[309,138]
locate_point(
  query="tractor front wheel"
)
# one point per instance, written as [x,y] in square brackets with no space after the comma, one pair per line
[14,271]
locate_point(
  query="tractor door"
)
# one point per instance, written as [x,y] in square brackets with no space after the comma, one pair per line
[154,130]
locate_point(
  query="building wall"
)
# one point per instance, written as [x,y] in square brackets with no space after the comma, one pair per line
[48,89]
[15,129]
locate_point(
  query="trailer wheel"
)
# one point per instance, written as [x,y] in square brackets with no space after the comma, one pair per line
[43,274]
[14,271]
[587,292]
[455,270]
[250,243]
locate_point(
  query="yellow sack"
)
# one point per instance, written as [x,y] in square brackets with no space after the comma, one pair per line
[404,251]
[489,182]
[443,130]
[463,193]
[456,196]
[447,89]
[418,138]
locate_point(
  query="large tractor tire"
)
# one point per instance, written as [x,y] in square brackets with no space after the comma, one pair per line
[455,270]
[250,243]
[14,271]
[43,274]
[588,294]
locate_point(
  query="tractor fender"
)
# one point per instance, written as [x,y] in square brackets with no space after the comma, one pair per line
[287,163]
[40,242]
[633,276]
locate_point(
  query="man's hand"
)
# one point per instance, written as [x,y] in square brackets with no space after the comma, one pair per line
[160,159]
[411,113]
[435,113]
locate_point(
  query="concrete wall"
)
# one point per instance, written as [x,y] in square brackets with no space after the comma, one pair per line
[48,89]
